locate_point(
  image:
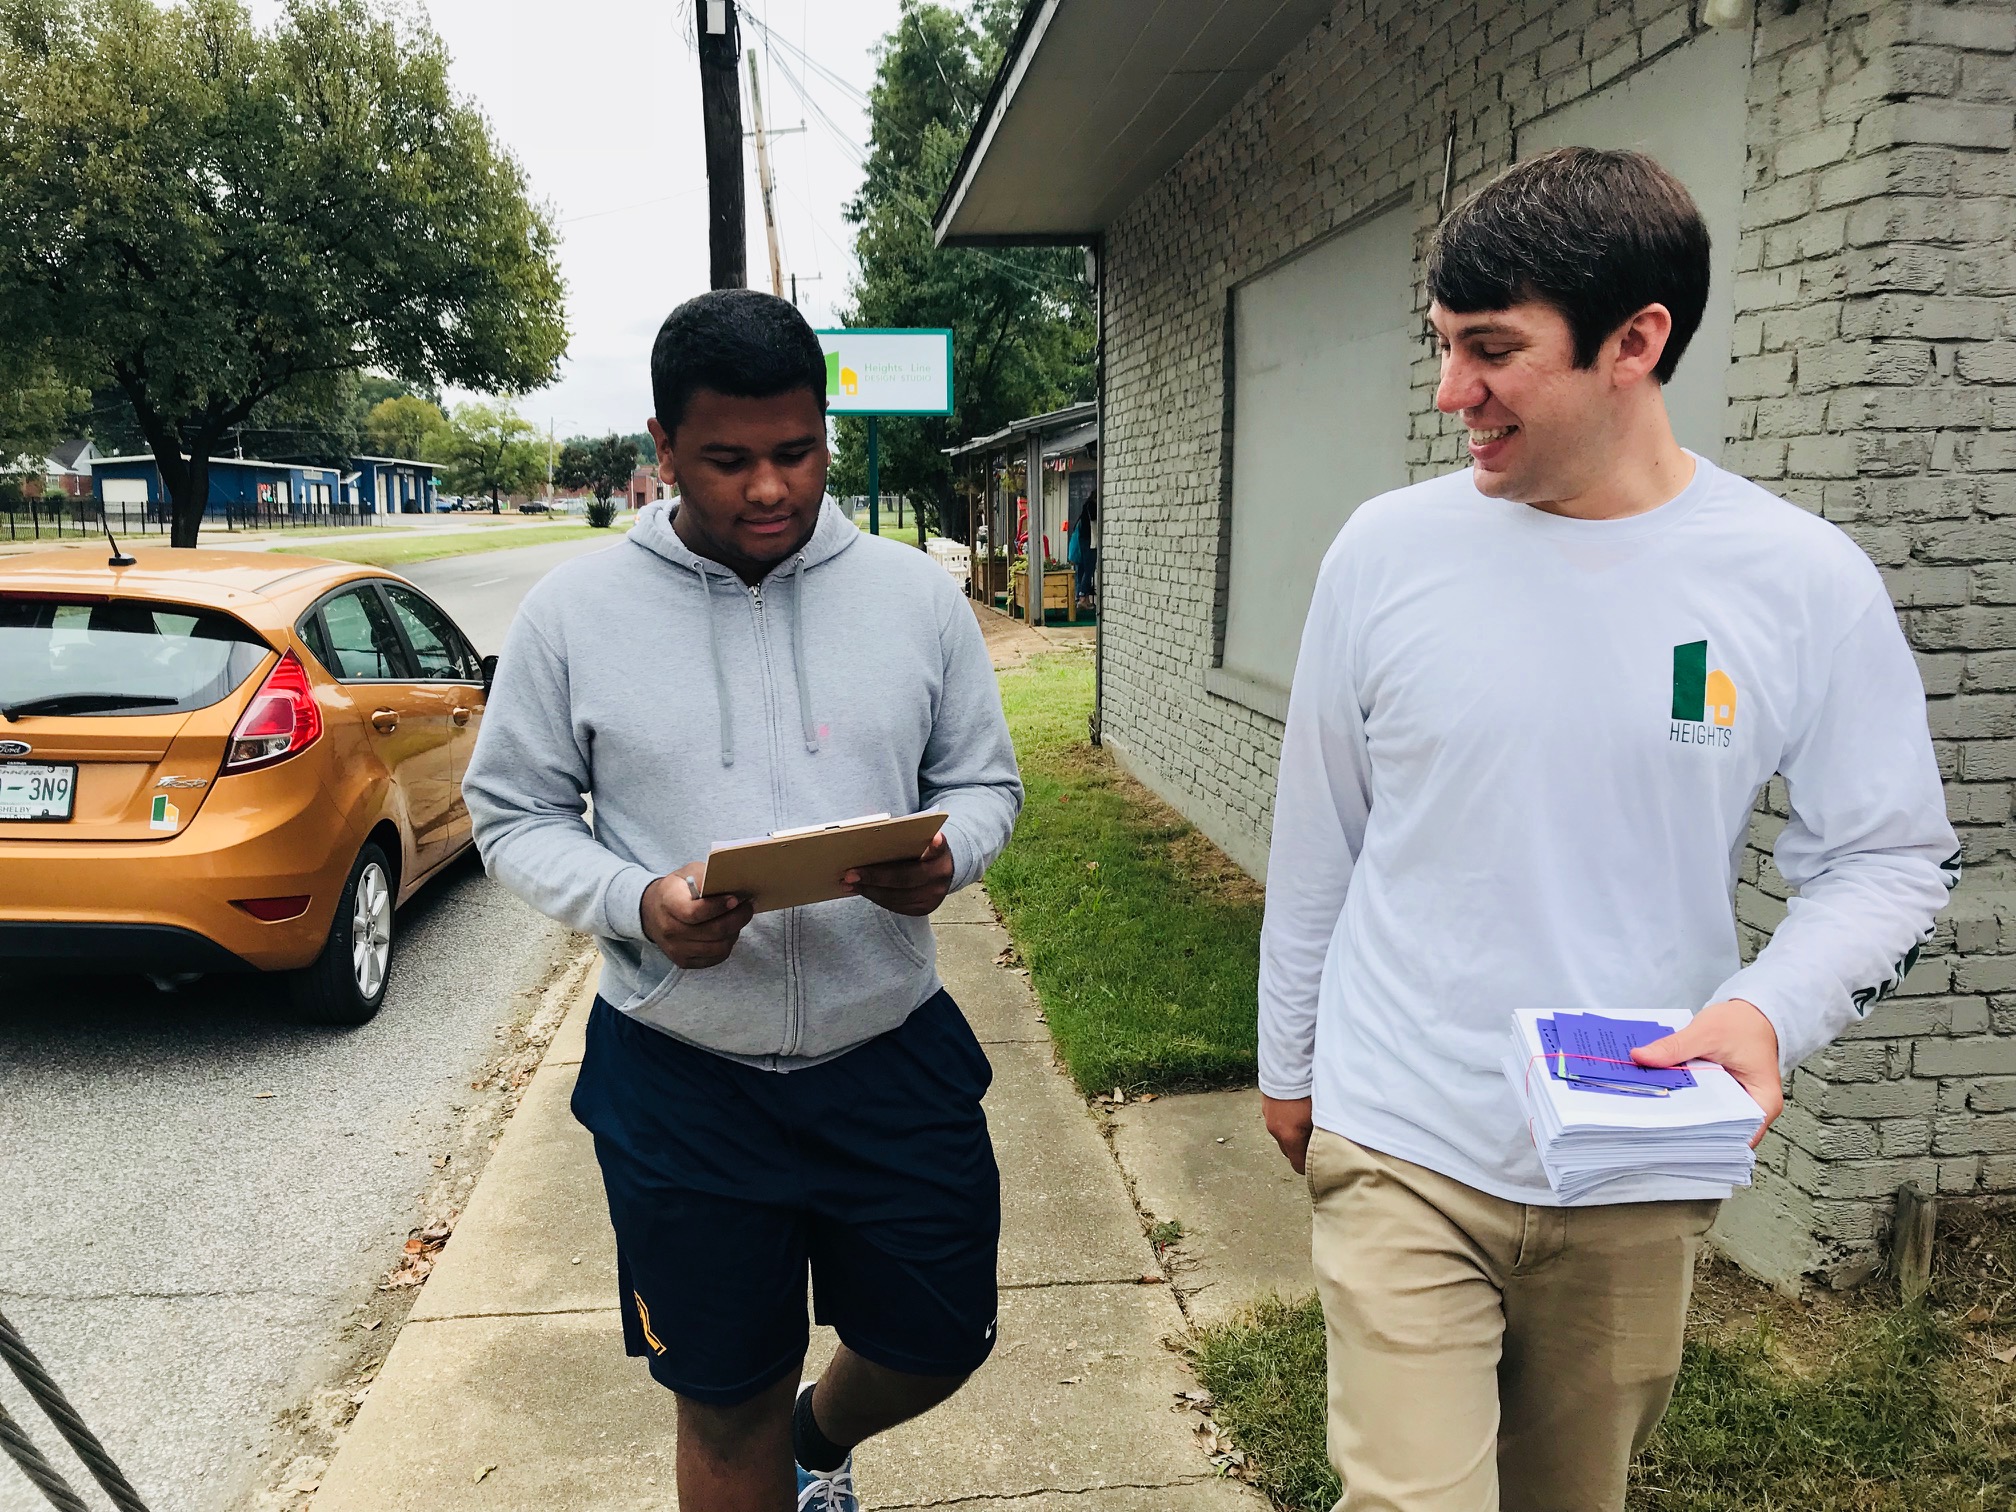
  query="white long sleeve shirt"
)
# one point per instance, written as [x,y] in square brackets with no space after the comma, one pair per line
[1521,756]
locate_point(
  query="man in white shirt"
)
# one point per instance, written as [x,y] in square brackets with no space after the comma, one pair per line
[1534,705]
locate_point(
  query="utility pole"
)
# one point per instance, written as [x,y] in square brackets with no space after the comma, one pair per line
[549,457]
[721,119]
[763,181]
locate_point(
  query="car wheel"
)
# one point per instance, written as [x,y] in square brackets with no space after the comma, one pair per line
[346,983]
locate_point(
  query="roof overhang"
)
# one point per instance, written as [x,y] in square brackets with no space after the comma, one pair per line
[1071,417]
[1096,100]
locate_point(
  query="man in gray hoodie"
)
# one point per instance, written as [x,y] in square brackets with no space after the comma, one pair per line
[791,1091]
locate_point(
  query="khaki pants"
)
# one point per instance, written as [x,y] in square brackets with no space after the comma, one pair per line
[1487,1354]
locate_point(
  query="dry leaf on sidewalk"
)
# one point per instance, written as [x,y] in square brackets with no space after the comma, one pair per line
[422,1245]
[477,1479]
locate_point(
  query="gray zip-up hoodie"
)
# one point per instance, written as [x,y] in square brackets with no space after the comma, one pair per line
[693,709]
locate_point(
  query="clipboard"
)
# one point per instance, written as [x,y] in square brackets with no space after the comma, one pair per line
[797,866]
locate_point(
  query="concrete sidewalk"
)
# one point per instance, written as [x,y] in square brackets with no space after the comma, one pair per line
[508,1387]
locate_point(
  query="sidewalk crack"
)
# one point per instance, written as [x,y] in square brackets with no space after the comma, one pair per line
[191,1294]
[1035,1491]
[527,1312]
[1087,1281]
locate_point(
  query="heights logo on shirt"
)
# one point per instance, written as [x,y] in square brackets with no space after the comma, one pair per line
[1704,702]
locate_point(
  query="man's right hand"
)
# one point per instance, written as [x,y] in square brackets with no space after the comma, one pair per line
[694,932]
[1290,1120]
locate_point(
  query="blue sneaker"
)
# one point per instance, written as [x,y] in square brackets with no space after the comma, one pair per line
[827,1490]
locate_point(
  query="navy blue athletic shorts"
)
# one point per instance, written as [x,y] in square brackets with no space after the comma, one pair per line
[727,1182]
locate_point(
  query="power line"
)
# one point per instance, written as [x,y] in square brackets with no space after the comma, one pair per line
[633,205]
[1060,287]
[809,62]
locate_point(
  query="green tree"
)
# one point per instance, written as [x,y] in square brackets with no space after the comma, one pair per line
[1022,319]
[407,426]
[603,468]
[491,449]
[38,408]
[376,388]
[211,217]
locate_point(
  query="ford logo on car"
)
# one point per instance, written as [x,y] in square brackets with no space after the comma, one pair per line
[14,748]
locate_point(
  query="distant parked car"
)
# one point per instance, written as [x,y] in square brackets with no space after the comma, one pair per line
[243,762]
[534,506]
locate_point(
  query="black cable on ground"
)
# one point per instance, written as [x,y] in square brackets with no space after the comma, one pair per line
[49,1397]
[21,1449]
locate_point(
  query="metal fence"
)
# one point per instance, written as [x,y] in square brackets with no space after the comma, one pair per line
[53,520]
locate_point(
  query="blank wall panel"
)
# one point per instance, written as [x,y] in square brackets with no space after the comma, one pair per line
[1321,349]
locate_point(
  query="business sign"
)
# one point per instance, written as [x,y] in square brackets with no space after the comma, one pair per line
[888,372]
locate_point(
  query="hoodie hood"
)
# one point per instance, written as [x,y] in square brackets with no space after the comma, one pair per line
[832,534]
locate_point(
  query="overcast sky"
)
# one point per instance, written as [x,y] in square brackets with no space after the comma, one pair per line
[600,101]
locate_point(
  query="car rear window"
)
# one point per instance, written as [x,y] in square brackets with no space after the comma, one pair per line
[92,655]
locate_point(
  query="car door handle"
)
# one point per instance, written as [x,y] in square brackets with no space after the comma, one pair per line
[385,721]
[460,716]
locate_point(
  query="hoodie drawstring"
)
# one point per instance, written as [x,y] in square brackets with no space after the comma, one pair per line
[798,655]
[720,674]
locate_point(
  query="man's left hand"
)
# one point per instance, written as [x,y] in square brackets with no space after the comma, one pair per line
[906,887]
[1738,1038]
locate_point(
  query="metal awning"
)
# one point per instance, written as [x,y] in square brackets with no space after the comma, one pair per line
[1096,100]
[1071,417]
[1070,441]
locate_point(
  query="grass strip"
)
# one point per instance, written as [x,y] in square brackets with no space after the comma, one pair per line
[1143,941]
[1881,1429]
[1264,1370]
[907,534]
[428,546]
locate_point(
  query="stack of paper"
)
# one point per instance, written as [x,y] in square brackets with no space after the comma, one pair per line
[1598,1118]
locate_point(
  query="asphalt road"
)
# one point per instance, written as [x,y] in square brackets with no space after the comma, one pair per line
[482,590]
[182,1250]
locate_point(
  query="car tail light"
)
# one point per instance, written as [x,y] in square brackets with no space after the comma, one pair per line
[274,910]
[282,720]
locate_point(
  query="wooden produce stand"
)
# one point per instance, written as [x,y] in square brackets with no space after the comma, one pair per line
[989,577]
[1059,592]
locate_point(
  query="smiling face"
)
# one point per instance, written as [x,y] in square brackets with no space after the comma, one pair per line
[751,474]
[1539,426]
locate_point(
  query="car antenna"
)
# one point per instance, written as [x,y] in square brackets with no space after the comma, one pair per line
[118,557]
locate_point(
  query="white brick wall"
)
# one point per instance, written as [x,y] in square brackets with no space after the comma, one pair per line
[1873,379]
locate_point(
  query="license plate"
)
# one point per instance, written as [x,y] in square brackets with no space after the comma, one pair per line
[37,790]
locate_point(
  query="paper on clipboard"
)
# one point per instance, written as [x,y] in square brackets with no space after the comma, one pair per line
[797,866]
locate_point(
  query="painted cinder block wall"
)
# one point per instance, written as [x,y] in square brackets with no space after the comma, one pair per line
[1873,379]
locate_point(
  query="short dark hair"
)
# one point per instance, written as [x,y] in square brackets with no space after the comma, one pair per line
[739,342]
[1597,235]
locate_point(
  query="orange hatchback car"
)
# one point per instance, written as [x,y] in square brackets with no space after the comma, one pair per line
[226,761]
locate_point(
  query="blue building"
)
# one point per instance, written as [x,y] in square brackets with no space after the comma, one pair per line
[246,485]
[392,485]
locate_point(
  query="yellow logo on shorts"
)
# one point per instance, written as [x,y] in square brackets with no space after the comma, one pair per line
[644,1321]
